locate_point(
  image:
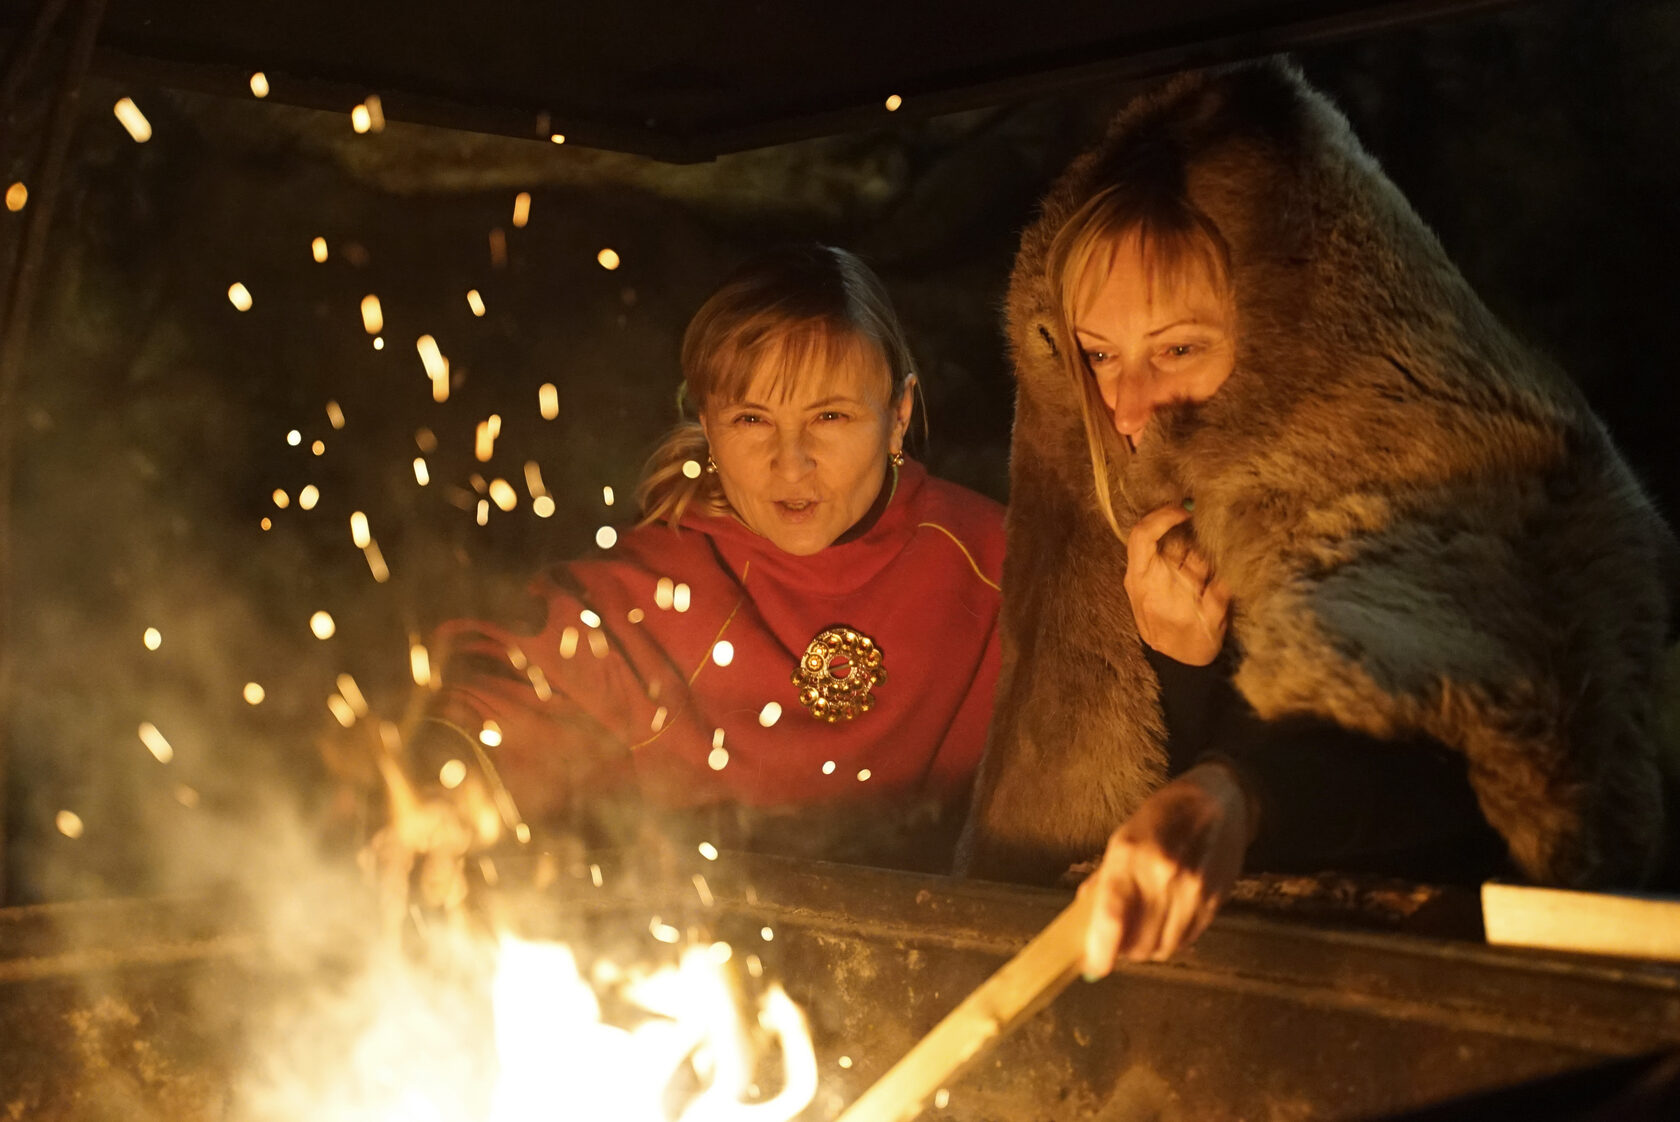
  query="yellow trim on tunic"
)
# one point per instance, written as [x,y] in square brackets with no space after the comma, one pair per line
[973,564]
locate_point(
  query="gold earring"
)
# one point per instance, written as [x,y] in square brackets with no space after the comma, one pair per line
[897,458]
[711,466]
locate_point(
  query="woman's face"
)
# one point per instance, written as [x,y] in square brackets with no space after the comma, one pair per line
[1150,338]
[802,458]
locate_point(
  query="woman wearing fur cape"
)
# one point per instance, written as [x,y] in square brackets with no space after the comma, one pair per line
[1424,530]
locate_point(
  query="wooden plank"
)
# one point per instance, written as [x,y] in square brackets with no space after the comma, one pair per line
[1024,985]
[1634,926]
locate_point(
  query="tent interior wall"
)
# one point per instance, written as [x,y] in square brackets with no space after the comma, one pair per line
[151,432]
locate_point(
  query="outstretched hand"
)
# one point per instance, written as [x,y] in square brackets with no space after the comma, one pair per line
[1182,610]
[1167,869]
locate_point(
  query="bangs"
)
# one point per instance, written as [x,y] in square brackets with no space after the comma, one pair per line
[813,358]
[1175,257]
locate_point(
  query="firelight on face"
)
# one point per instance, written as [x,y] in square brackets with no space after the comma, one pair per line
[1152,335]
[803,455]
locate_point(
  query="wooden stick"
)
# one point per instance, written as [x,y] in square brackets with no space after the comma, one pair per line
[1024,985]
[1643,926]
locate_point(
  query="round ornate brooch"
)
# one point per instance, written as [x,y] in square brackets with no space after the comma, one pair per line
[840,668]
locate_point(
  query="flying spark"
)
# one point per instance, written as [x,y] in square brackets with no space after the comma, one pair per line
[828,767]
[341,710]
[766,934]
[309,496]
[239,296]
[360,119]
[318,249]
[376,113]
[319,448]
[379,342]
[521,209]
[254,693]
[608,259]
[863,776]
[490,735]
[548,401]
[498,249]
[420,664]
[503,494]
[606,537]
[607,495]
[335,415]
[542,506]
[484,512]
[680,597]
[533,479]
[421,475]
[353,694]
[321,623]
[893,102]
[133,120]
[770,714]
[557,138]
[376,563]
[425,440]
[589,618]
[359,530]
[708,851]
[663,594]
[155,743]
[69,823]
[17,196]
[373,318]
[568,642]
[294,438]
[259,84]
[718,759]
[475,302]
[153,638]
[723,652]
[691,469]
[281,499]
[452,774]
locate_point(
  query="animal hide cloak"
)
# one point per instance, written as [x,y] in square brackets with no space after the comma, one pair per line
[1424,527]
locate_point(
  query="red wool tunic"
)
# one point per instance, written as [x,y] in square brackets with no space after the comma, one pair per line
[627,682]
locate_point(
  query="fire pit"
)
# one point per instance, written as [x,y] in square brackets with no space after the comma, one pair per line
[145,1009]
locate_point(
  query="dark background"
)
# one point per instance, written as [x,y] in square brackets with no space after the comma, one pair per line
[1537,140]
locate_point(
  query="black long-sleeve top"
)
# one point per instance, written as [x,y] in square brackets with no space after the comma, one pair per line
[1331,798]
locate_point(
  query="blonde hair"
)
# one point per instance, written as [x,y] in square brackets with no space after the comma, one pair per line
[1178,243]
[795,310]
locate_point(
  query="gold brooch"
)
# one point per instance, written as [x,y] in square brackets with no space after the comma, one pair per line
[839,669]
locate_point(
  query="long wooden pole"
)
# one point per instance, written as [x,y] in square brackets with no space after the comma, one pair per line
[1024,985]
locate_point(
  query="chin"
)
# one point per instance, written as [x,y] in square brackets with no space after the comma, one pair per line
[803,545]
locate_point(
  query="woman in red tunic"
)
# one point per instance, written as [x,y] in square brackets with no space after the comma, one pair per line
[796,648]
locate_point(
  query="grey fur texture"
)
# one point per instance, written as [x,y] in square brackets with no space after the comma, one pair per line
[1424,526]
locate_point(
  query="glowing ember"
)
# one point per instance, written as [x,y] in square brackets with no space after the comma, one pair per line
[239,296]
[452,774]
[475,302]
[691,469]
[17,196]
[533,479]
[341,710]
[863,776]
[521,209]
[557,138]
[359,530]
[254,693]
[503,494]
[568,642]
[844,1061]
[155,743]
[608,259]
[708,851]
[133,120]
[718,758]
[321,623]
[335,415]
[259,84]
[770,714]
[766,934]
[680,597]
[360,119]
[490,735]
[589,618]
[607,495]
[893,102]
[420,664]
[373,317]
[353,694]
[659,716]
[828,767]
[267,524]
[281,499]
[664,593]
[309,496]
[69,823]
[318,250]
[319,448]
[153,638]
[421,475]
[379,342]
[484,442]
[542,506]
[548,401]
[723,652]
[376,563]
[484,512]
[606,537]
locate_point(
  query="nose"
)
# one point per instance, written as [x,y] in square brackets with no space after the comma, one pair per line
[790,458]
[1131,400]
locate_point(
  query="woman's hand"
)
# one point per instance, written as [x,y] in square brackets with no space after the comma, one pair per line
[1181,609]
[1167,869]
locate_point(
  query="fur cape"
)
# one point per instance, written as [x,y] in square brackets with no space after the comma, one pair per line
[1424,526]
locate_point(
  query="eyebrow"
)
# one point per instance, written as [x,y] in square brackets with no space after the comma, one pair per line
[835,399]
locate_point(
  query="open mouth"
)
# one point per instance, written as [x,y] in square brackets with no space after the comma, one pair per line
[796,510]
